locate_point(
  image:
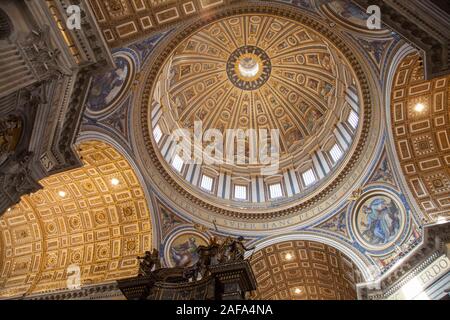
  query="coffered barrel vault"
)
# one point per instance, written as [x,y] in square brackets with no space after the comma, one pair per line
[124,21]
[91,222]
[304,270]
[421,129]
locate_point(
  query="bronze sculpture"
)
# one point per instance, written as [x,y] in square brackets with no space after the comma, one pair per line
[149,262]
[215,253]
[236,249]
[221,272]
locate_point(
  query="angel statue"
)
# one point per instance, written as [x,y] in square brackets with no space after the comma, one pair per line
[149,262]
[236,249]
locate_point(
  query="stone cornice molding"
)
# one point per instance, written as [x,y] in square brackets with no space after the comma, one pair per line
[103,291]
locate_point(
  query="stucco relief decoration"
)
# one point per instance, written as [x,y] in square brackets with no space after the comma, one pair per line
[10,133]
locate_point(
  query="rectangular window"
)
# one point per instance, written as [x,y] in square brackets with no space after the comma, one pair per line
[207,183]
[240,192]
[157,133]
[336,153]
[275,191]
[177,163]
[353,119]
[308,177]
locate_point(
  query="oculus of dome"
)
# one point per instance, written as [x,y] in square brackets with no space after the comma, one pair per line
[248,67]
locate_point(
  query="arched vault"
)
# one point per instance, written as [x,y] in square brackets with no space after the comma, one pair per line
[95,218]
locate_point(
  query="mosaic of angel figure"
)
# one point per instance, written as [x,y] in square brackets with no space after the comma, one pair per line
[185,254]
[106,87]
[380,221]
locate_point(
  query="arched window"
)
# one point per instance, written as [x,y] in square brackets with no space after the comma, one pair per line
[5,25]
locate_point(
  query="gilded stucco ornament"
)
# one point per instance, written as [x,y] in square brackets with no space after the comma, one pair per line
[10,132]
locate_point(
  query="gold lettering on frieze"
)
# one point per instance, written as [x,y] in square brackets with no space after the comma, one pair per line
[415,287]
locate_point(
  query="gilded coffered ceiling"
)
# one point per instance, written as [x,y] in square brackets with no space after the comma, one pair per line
[304,270]
[95,218]
[421,129]
[123,21]
[312,71]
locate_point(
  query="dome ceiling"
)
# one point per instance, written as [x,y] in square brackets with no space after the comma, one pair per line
[260,72]
[257,67]
[298,86]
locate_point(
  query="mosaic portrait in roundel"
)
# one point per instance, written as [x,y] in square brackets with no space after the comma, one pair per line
[183,250]
[108,87]
[379,220]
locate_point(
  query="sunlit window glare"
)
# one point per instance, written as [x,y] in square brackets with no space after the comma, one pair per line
[248,68]
[206,183]
[240,192]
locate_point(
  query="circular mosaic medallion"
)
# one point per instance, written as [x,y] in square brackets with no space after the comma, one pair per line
[109,88]
[378,220]
[182,250]
[249,67]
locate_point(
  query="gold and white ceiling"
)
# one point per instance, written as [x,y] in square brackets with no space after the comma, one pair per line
[257,71]
[89,223]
